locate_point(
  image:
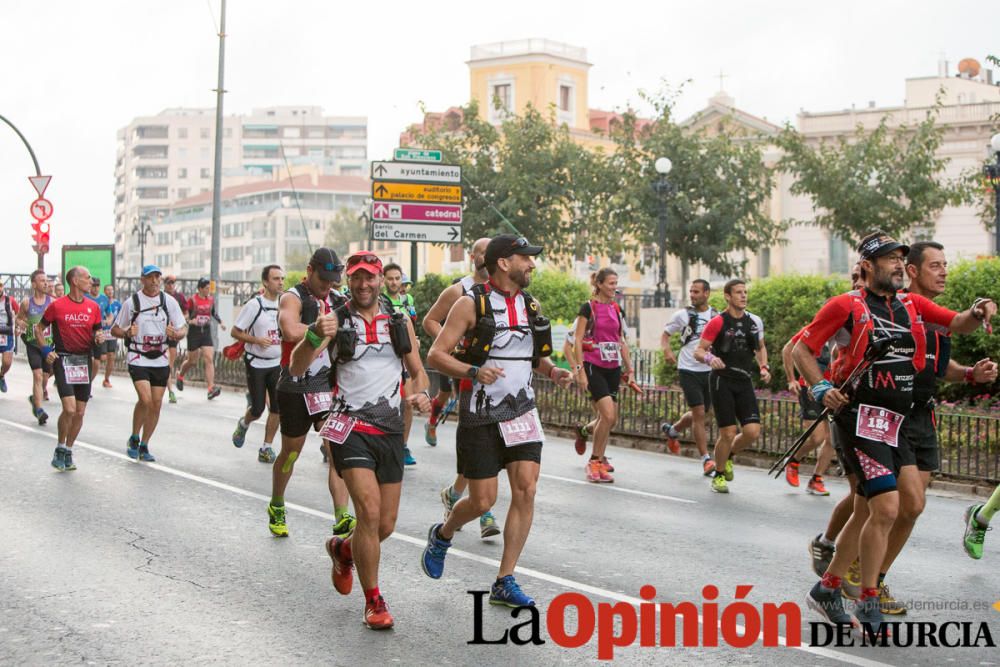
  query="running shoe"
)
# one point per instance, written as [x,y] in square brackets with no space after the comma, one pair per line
[594,470]
[377,616]
[488,526]
[506,592]
[408,457]
[851,584]
[3,384]
[719,484]
[887,603]
[729,470]
[867,612]
[214,392]
[975,533]
[821,555]
[708,466]
[816,486]
[171,396]
[132,448]
[673,443]
[606,473]
[68,459]
[180,383]
[432,560]
[342,572]
[106,384]
[144,454]
[240,434]
[276,520]
[607,464]
[266,455]
[448,499]
[430,433]
[59,459]
[828,604]
[38,413]
[345,526]
[580,444]
[792,474]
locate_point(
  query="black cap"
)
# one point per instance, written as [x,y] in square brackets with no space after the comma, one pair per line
[95,281]
[878,244]
[203,282]
[507,245]
[326,262]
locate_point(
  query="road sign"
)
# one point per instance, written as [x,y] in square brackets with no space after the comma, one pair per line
[41,209]
[409,171]
[389,190]
[417,155]
[392,231]
[40,183]
[395,211]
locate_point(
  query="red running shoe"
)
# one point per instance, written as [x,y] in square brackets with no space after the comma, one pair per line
[581,439]
[709,467]
[377,616]
[792,474]
[342,573]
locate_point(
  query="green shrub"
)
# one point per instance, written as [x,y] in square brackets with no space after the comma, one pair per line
[560,294]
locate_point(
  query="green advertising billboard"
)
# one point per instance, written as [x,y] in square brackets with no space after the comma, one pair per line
[99,259]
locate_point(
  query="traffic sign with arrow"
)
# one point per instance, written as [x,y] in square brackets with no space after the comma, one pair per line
[409,171]
[418,192]
[392,231]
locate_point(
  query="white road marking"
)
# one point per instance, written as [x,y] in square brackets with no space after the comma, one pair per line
[420,542]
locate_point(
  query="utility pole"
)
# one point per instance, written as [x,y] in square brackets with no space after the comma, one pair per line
[38,172]
[217,172]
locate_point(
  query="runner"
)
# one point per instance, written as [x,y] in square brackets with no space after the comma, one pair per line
[201,312]
[8,334]
[257,327]
[109,312]
[368,343]
[927,270]
[498,426]
[693,375]
[28,315]
[169,286]
[432,324]
[304,399]
[809,412]
[977,522]
[730,343]
[147,321]
[392,280]
[867,425]
[601,321]
[75,326]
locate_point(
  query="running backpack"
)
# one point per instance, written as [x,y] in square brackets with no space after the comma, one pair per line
[136,311]
[690,332]
[475,348]
[7,329]
[237,348]
[589,331]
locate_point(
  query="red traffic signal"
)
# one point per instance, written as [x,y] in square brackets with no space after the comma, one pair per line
[40,236]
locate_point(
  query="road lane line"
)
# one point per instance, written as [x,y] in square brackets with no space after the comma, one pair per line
[619,489]
[421,543]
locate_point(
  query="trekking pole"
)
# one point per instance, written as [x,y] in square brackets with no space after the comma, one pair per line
[877,348]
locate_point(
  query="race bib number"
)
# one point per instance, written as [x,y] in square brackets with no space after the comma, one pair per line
[610,351]
[201,320]
[318,402]
[337,428]
[521,430]
[3,340]
[878,424]
[76,369]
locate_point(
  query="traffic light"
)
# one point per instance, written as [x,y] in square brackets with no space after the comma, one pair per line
[40,236]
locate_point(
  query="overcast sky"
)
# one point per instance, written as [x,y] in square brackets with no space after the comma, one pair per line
[74,72]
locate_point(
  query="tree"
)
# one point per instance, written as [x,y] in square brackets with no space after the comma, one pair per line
[720,186]
[347,226]
[887,179]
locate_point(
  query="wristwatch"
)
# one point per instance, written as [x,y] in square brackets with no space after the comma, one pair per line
[472,372]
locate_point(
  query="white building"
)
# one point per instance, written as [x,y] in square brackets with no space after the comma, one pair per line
[169,157]
[262,222]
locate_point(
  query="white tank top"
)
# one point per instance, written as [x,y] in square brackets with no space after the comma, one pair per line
[368,384]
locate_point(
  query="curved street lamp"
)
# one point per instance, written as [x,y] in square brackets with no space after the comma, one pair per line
[664,189]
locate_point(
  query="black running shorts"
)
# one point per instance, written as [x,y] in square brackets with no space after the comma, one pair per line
[295,419]
[199,337]
[696,388]
[380,453]
[482,453]
[919,435]
[156,376]
[81,392]
[734,401]
[36,360]
[262,383]
[602,382]
[875,465]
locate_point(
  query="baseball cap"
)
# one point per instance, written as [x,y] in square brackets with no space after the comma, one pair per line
[150,269]
[878,244]
[406,280]
[204,282]
[364,261]
[326,262]
[508,245]
[95,281]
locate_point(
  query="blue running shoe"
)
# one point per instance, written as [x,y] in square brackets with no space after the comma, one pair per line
[240,434]
[408,457]
[132,449]
[432,561]
[3,384]
[506,592]
[144,454]
[59,459]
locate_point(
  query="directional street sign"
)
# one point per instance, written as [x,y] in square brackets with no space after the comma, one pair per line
[40,183]
[417,155]
[394,211]
[41,209]
[388,190]
[408,171]
[392,231]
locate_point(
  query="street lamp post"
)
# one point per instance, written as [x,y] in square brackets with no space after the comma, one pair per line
[664,189]
[993,175]
[143,229]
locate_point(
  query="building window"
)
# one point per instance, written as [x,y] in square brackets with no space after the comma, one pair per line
[206,172]
[164,260]
[565,97]
[163,238]
[182,193]
[182,133]
[840,251]
[501,98]
[205,133]
[232,254]
[764,263]
[182,172]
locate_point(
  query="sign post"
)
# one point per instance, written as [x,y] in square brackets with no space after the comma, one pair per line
[41,210]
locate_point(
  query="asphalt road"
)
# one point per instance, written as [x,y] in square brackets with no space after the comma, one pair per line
[126,563]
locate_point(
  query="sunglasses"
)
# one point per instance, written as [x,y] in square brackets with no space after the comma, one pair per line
[519,243]
[359,259]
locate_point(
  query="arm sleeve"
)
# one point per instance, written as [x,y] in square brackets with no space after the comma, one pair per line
[933,313]
[828,320]
[584,311]
[712,329]
[676,323]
